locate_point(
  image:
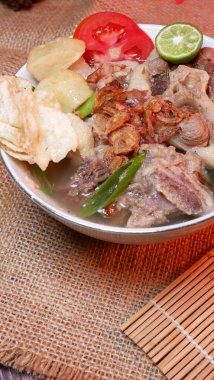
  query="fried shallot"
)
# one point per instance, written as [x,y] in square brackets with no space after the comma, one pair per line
[125,140]
[162,119]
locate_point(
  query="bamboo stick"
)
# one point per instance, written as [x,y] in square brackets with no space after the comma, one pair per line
[203,375]
[152,316]
[166,327]
[168,363]
[188,363]
[180,341]
[185,278]
[200,265]
[198,369]
[159,351]
[176,328]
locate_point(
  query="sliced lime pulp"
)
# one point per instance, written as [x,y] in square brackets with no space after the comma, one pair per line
[179,42]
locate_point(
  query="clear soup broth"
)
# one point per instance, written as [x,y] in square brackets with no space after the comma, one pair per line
[59,176]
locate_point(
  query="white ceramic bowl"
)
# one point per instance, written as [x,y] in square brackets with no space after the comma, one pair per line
[18,172]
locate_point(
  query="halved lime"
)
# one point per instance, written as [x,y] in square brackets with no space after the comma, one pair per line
[179,42]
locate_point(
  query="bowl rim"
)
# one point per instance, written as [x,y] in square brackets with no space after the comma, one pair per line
[75,220]
[7,160]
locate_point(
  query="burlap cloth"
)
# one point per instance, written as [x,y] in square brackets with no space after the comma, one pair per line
[63,295]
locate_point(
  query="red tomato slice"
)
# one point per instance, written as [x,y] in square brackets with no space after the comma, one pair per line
[111,36]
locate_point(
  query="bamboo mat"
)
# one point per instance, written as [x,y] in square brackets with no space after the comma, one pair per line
[63,295]
[176,328]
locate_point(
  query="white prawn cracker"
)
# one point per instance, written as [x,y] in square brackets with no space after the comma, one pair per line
[176,328]
[33,128]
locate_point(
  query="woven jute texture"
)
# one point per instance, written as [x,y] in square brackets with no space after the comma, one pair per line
[63,296]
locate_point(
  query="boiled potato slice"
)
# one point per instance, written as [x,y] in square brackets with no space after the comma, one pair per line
[58,54]
[68,87]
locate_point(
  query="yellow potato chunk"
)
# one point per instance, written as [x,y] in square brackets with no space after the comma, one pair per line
[68,87]
[55,55]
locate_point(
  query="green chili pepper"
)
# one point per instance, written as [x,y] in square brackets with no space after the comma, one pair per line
[42,180]
[112,187]
[86,108]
